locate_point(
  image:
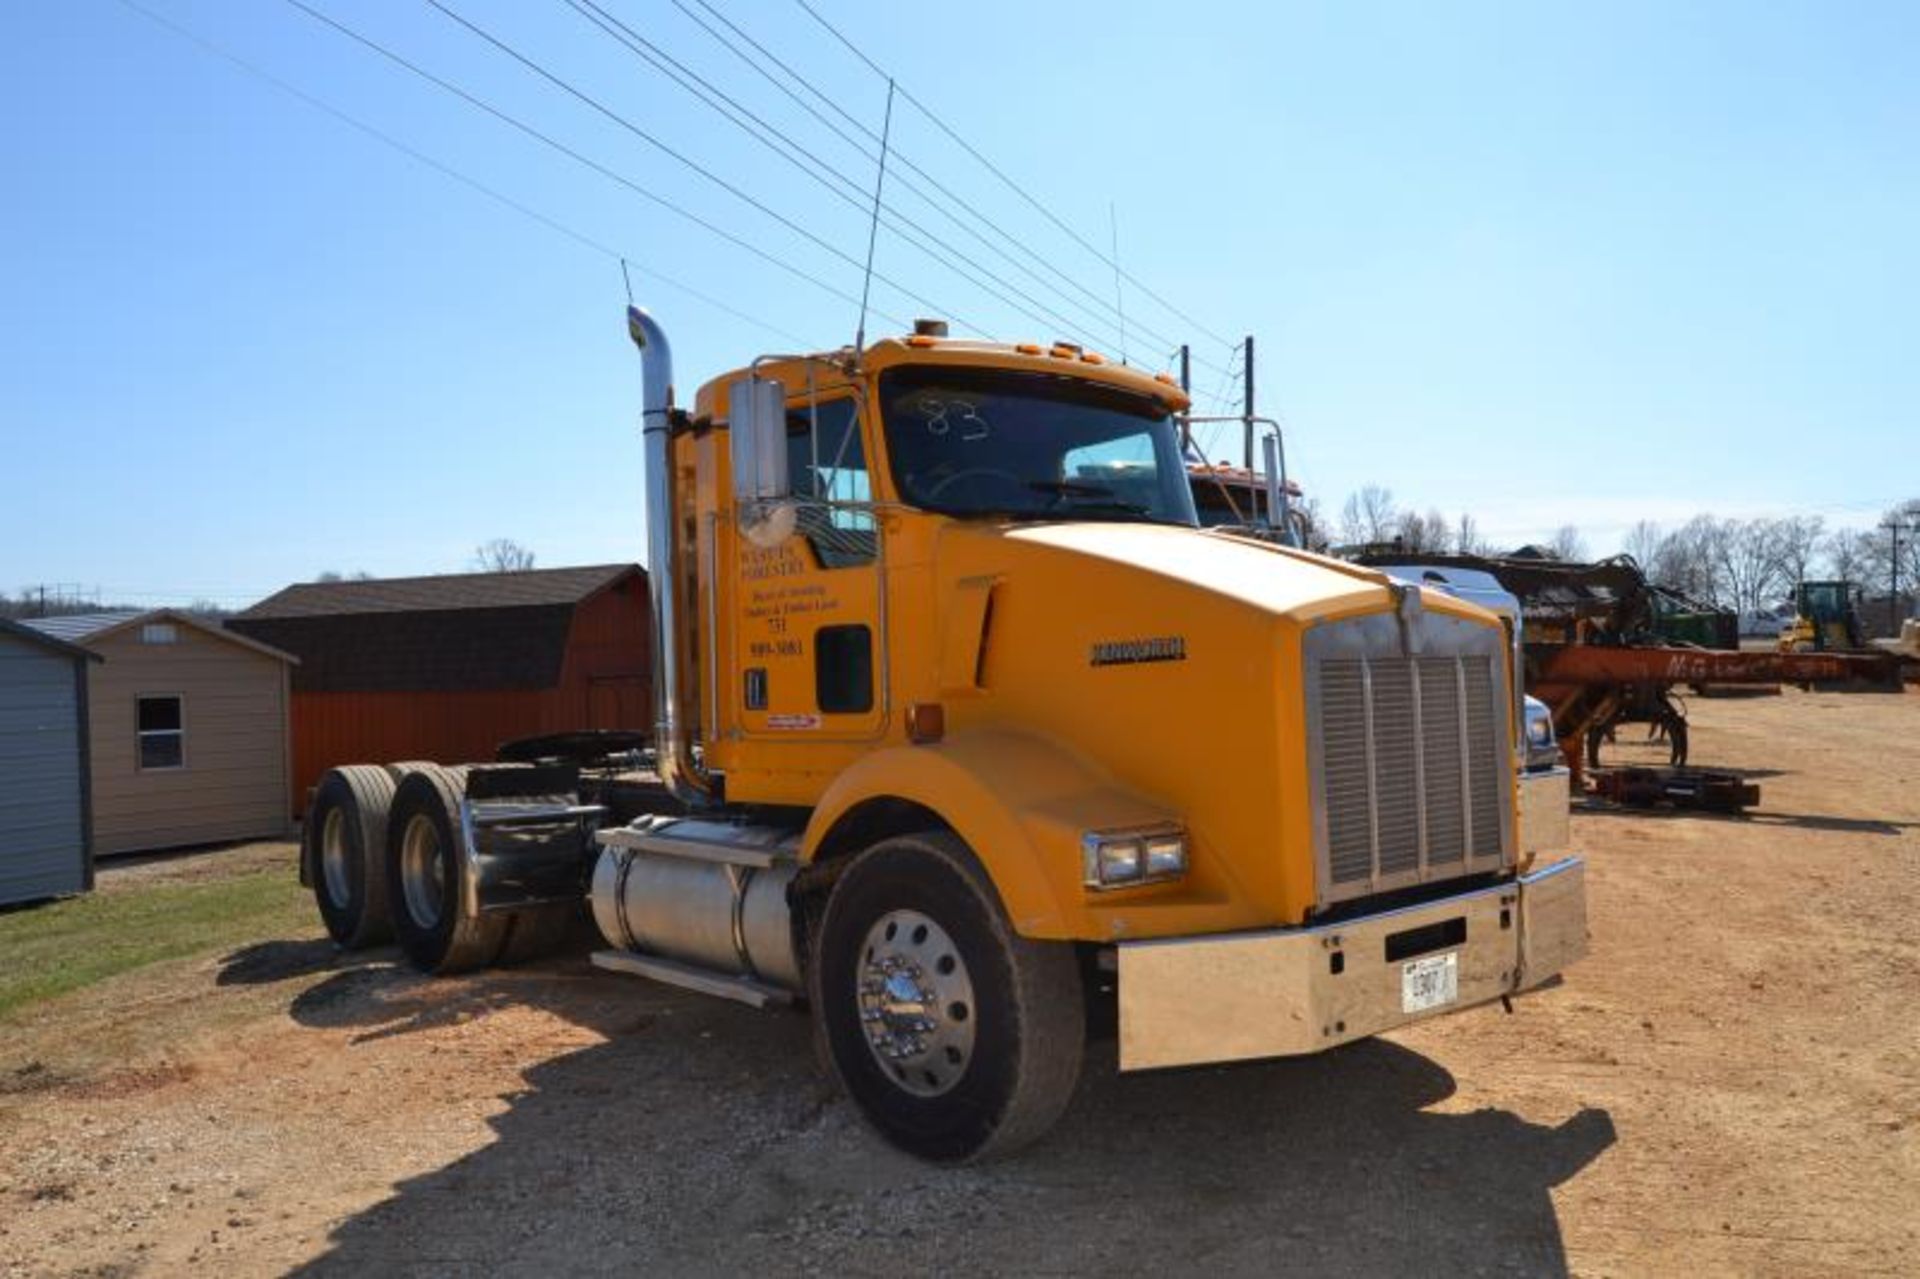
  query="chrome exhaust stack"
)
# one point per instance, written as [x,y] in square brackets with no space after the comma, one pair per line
[673,750]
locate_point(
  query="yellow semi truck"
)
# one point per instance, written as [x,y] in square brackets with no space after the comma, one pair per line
[969,725]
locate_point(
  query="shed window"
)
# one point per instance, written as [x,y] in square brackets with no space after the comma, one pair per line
[159,633]
[162,732]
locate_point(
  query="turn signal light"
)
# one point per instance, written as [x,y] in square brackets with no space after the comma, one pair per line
[926,722]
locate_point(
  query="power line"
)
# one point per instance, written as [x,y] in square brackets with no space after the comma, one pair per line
[950,198]
[820,171]
[1218,401]
[446,170]
[853,193]
[574,91]
[994,169]
[587,161]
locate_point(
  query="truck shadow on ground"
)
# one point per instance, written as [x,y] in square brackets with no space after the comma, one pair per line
[700,1137]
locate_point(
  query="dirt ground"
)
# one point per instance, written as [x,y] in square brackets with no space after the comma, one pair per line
[1730,1083]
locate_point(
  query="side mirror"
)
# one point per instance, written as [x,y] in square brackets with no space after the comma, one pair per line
[757,440]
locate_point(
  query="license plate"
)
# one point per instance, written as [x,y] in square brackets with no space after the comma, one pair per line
[1431,982]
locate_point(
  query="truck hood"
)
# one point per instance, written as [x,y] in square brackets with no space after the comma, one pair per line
[1272,579]
[1170,660]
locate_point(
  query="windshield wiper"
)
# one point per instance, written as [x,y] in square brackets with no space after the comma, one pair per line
[1073,510]
[1069,488]
[1066,493]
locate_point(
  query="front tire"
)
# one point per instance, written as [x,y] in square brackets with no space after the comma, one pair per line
[957,1038]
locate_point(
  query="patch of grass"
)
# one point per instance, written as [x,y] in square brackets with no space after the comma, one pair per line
[52,950]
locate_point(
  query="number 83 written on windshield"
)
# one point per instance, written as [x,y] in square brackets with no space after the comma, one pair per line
[953,417]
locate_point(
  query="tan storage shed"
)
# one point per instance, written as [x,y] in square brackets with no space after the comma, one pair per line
[187,727]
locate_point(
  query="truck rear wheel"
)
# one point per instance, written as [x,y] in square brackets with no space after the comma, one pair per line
[346,836]
[423,854]
[956,1037]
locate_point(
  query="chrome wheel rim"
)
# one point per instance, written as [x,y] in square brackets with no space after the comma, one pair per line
[423,871]
[915,1001]
[333,859]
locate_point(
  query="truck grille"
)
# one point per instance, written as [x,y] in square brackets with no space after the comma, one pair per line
[1410,754]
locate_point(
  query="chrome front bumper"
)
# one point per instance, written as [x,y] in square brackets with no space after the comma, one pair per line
[1300,990]
[1545,824]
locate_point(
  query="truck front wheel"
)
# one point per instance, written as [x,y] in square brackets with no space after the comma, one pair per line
[957,1038]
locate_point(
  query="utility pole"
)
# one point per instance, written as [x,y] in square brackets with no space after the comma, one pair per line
[1246,400]
[1894,610]
[1186,370]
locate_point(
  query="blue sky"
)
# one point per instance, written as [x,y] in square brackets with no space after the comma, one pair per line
[1547,263]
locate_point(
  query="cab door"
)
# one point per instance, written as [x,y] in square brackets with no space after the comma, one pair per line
[808,653]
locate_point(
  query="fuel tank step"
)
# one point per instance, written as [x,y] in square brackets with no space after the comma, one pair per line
[743,990]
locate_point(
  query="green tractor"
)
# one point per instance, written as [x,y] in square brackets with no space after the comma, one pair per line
[1827,619]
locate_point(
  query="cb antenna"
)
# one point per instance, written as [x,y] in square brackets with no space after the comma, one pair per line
[1119,296]
[873,227]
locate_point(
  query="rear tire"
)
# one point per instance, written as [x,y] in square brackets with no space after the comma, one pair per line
[956,1037]
[346,844]
[423,878]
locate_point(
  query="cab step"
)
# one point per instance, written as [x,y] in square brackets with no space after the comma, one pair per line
[744,990]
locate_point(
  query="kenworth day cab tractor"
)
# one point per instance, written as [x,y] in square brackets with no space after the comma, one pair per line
[968,724]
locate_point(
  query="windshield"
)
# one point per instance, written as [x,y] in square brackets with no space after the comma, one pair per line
[969,441]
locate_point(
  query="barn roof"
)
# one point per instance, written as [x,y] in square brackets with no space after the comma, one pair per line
[88,628]
[465,631]
[533,588]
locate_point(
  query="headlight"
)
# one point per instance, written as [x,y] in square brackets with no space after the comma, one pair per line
[1543,748]
[1539,723]
[1125,857]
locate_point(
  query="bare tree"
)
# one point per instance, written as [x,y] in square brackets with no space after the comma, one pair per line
[1314,521]
[1467,539]
[1642,542]
[1684,559]
[1567,543]
[502,555]
[1849,554]
[1798,539]
[1748,566]
[1368,516]
[1907,515]
[1418,532]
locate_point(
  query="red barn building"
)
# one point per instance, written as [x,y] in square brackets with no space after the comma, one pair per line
[447,668]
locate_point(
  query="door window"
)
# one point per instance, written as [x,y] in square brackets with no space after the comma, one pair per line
[828,465]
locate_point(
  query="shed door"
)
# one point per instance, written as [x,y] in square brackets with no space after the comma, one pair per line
[43,849]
